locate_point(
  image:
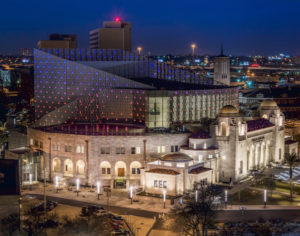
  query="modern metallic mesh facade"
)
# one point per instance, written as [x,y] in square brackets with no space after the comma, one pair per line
[94,89]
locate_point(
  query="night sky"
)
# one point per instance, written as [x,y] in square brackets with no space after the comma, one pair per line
[264,27]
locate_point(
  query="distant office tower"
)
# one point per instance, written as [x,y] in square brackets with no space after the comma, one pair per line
[222,69]
[59,41]
[114,35]
[26,52]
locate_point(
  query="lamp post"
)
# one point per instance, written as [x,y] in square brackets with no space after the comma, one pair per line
[193,46]
[30,181]
[131,193]
[56,183]
[98,189]
[164,197]
[226,198]
[265,198]
[139,48]
[77,186]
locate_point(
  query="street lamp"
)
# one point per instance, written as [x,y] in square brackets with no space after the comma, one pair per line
[30,181]
[98,189]
[131,193]
[226,198]
[265,198]
[164,197]
[139,48]
[193,46]
[77,186]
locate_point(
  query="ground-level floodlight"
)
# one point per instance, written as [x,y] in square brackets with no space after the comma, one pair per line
[56,183]
[265,198]
[164,197]
[131,193]
[30,181]
[98,189]
[226,198]
[77,186]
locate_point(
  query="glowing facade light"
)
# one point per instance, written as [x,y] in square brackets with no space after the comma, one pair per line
[196,196]
[30,179]
[164,195]
[77,184]
[265,198]
[226,196]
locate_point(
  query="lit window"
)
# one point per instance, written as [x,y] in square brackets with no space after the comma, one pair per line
[200,158]
[204,146]
[195,146]
[31,141]
[138,150]
[163,149]
[158,149]
[168,164]
[180,165]
[210,156]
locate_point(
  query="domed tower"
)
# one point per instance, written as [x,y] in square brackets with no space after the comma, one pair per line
[230,131]
[269,110]
[228,116]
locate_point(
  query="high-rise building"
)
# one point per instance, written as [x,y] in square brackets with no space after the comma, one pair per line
[59,41]
[114,35]
[26,52]
[222,69]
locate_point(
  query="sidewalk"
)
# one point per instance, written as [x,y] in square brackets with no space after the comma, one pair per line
[118,198]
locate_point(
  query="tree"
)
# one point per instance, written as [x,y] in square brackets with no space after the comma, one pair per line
[290,160]
[197,213]
[9,225]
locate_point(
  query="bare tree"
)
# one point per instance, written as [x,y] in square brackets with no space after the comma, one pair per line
[198,211]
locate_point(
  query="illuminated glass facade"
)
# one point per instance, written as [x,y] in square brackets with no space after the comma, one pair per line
[73,86]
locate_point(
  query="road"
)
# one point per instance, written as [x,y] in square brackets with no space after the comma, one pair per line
[115,209]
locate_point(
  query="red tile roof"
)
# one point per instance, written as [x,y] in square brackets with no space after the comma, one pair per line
[163,171]
[199,170]
[258,124]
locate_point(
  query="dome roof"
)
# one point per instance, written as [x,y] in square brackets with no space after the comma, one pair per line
[268,104]
[176,157]
[229,110]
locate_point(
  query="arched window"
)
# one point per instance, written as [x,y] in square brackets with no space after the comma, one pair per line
[56,164]
[135,168]
[68,167]
[80,167]
[223,129]
[105,168]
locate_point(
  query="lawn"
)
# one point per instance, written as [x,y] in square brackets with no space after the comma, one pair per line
[278,186]
[255,197]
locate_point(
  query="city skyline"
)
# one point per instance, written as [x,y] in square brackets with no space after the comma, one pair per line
[245,28]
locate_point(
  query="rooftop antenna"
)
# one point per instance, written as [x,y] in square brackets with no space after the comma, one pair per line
[222,51]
